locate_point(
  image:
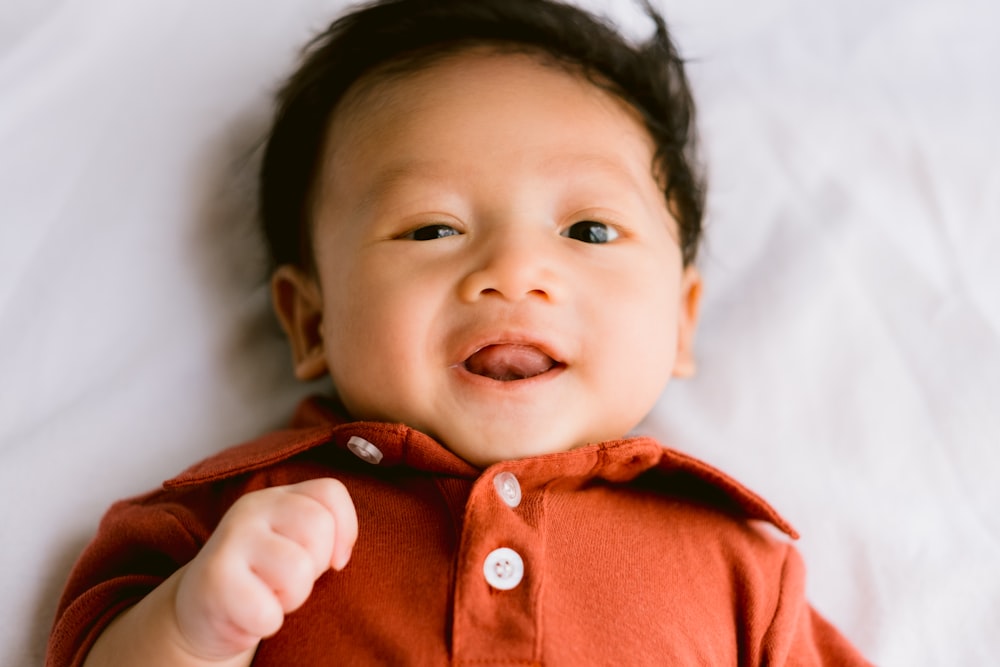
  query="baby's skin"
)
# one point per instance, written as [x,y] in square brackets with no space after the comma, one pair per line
[504,275]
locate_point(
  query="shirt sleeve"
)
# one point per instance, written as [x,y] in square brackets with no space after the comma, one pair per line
[139,544]
[798,635]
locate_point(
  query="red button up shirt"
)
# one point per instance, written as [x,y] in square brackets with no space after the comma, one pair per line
[618,553]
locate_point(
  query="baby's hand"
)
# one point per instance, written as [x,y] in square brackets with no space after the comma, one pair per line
[261,563]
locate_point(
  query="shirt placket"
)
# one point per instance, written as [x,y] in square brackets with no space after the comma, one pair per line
[499,569]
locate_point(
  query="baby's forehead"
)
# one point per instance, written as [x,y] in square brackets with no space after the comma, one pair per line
[413,66]
[404,80]
[420,108]
[398,90]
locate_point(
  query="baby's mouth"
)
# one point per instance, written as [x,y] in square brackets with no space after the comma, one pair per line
[508,362]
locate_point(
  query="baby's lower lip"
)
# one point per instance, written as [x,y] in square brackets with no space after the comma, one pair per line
[510,362]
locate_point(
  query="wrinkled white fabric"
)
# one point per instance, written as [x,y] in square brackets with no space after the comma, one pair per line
[850,344]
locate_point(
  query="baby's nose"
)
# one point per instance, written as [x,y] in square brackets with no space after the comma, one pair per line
[513,270]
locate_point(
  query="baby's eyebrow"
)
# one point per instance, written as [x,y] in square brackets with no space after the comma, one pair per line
[433,173]
[593,162]
[390,177]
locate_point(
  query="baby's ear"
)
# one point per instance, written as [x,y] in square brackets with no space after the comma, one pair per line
[687,323]
[299,306]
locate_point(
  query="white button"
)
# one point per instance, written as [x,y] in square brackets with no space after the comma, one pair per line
[503,569]
[364,450]
[508,488]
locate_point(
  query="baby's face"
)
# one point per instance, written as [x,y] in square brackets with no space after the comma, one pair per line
[497,266]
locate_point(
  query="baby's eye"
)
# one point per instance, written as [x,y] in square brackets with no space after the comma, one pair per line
[589,231]
[430,232]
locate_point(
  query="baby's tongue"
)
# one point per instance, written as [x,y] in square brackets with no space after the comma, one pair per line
[509,362]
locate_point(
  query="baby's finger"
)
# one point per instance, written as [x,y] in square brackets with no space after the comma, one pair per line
[334,496]
[308,523]
[224,608]
[285,567]
[252,608]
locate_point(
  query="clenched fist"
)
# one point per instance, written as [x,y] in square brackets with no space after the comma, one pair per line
[261,563]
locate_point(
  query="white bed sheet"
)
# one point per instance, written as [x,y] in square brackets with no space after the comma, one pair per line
[850,347]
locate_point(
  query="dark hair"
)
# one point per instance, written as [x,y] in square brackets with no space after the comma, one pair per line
[406,34]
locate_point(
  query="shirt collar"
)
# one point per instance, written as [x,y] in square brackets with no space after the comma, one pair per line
[316,423]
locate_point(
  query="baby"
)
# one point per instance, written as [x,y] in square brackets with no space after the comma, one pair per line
[483,216]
